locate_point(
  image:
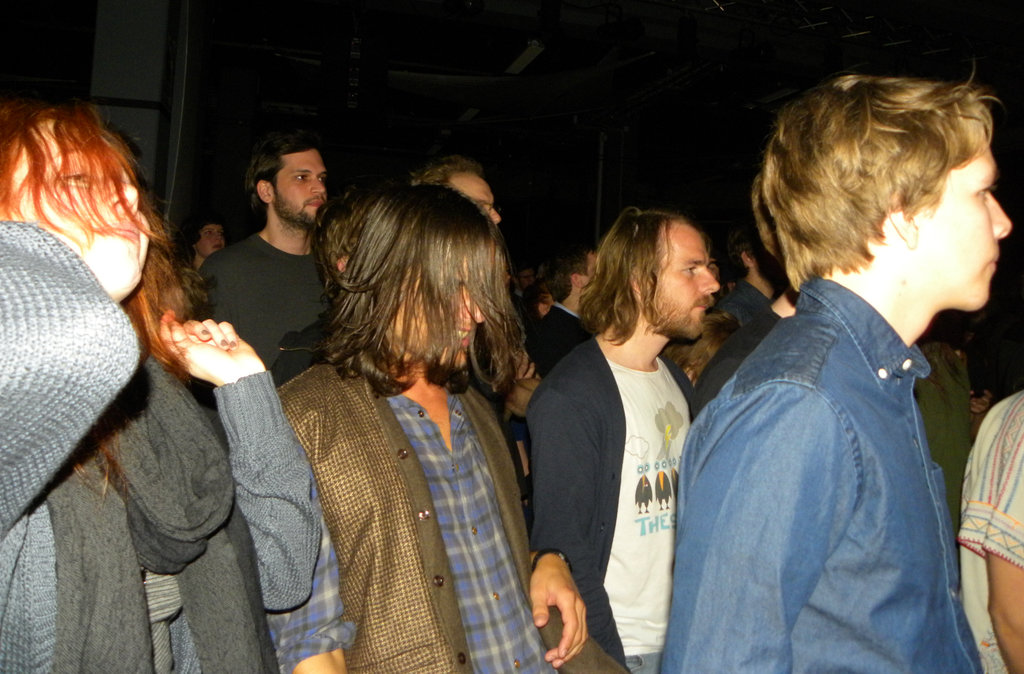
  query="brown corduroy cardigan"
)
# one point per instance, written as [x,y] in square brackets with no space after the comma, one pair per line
[396,582]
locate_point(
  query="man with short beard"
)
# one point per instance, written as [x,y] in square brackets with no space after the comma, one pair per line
[267,284]
[608,425]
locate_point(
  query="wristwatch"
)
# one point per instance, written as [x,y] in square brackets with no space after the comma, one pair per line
[549,551]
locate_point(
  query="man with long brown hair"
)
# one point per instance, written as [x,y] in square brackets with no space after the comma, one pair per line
[608,425]
[415,482]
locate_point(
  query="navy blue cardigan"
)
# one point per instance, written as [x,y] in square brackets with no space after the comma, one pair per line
[578,430]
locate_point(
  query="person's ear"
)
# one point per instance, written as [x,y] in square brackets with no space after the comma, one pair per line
[265,190]
[749,261]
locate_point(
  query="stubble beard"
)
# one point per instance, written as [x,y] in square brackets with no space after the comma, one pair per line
[681,324]
[681,327]
[297,220]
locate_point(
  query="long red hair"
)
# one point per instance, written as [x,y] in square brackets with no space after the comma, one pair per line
[61,166]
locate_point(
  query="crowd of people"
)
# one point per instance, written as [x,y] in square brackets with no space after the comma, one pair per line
[417,458]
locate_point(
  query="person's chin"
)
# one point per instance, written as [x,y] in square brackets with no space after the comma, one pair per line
[979,300]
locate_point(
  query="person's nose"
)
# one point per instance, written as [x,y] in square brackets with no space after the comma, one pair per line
[710,283]
[1001,224]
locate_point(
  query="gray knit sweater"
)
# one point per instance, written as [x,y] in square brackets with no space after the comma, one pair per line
[67,350]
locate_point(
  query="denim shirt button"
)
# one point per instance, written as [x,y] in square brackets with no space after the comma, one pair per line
[883,373]
[906,364]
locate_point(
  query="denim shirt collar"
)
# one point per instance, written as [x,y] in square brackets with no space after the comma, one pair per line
[883,349]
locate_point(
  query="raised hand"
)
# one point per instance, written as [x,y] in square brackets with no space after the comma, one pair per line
[211,351]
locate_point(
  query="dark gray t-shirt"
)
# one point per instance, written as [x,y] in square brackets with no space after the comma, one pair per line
[262,291]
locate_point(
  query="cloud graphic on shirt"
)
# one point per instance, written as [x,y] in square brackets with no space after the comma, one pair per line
[637,447]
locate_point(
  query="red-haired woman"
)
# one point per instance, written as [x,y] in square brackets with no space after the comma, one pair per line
[130,537]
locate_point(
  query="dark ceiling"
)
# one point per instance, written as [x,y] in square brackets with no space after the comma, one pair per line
[575,108]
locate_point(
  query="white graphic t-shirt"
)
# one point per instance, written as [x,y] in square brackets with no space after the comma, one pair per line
[639,575]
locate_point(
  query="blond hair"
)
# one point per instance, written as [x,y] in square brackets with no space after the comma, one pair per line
[855,149]
[440,171]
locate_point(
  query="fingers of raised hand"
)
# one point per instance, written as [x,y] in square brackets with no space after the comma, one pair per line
[221,335]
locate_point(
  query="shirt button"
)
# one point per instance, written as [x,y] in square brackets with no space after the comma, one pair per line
[496,596]
[883,373]
[515,663]
[424,514]
[403,453]
[473,530]
[439,581]
[906,364]
[461,658]
[420,414]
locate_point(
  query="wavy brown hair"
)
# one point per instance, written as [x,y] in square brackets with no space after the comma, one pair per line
[625,281]
[422,252]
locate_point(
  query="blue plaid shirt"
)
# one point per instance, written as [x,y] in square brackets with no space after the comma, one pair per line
[316,626]
[495,613]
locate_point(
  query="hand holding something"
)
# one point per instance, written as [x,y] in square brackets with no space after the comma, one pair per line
[552,585]
[211,351]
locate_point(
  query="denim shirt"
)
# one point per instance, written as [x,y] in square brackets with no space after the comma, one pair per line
[812,528]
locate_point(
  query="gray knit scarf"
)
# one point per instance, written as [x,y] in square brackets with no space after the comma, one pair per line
[175,517]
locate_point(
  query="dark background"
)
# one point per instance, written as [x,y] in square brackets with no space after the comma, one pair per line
[575,109]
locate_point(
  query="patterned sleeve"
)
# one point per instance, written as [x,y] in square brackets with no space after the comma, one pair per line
[992,519]
[316,626]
